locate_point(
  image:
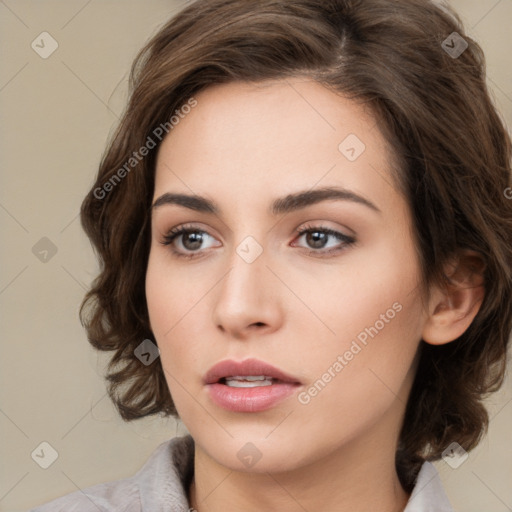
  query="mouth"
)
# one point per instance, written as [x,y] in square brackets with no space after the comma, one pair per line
[248,386]
[249,381]
[248,373]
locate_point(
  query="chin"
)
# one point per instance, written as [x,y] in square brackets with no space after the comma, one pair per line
[251,450]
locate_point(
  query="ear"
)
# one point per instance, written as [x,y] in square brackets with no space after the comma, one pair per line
[452,309]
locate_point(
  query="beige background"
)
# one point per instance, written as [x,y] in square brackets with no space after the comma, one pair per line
[56,116]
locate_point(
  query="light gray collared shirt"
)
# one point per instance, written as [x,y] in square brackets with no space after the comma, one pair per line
[161,486]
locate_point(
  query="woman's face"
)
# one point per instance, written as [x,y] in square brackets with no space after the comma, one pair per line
[338,312]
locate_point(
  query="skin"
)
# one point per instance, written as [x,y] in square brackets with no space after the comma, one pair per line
[243,146]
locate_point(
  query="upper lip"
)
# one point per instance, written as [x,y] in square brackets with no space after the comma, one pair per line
[230,368]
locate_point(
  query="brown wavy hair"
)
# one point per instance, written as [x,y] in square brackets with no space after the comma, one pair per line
[453,165]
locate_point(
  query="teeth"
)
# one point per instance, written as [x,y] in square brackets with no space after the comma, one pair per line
[249,377]
[248,381]
[247,384]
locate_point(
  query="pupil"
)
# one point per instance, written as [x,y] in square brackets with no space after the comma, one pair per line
[195,238]
[318,239]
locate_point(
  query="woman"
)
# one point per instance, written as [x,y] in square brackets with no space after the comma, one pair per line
[305,208]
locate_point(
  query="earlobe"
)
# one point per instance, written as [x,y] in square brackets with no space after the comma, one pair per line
[453,308]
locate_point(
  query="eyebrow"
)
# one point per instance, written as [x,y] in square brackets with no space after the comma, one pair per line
[286,204]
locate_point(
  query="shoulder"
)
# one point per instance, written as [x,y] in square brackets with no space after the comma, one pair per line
[117,495]
[156,486]
[428,494]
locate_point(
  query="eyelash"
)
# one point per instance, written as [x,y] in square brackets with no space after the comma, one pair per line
[174,233]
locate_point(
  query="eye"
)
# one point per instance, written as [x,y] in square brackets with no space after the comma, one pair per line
[317,237]
[190,238]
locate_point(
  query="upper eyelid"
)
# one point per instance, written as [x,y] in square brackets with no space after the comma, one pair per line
[310,225]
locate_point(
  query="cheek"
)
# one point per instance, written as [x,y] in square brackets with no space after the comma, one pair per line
[174,306]
[374,289]
[365,372]
[157,295]
[170,294]
[375,314]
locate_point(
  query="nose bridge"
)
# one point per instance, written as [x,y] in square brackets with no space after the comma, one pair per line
[246,276]
[247,294]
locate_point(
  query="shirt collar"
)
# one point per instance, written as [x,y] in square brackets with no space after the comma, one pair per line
[428,494]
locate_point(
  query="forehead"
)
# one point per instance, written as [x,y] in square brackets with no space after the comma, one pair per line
[265,139]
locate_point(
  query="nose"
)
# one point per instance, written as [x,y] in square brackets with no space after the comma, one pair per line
[248,299]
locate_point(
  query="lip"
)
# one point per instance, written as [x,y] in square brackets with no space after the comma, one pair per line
[254,399]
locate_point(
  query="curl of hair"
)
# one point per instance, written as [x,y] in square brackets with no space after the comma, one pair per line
[448,146]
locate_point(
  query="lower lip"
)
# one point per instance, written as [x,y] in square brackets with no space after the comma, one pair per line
[253,399]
